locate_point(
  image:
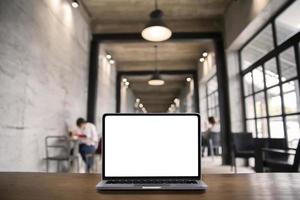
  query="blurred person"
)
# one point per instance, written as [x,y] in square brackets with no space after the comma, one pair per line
[88,141]
[212,126]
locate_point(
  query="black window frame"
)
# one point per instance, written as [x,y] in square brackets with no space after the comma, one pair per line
[292,42]
[208,94]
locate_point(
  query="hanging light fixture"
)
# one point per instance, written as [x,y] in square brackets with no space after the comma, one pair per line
[156,30]
[156,80]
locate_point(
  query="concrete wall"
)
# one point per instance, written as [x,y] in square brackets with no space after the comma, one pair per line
[106,88]
[43,77]
[186,98]
[242,20]
[128,100]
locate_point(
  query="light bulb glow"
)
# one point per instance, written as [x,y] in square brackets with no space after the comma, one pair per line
[108,56]
[112,62]
[156,33]
[75,4]
[156,82]
[188,79]
[204,54]
[201,59]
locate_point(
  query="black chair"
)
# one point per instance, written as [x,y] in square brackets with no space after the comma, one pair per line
[214,140]
[58,148]
[242,147]
[281,160]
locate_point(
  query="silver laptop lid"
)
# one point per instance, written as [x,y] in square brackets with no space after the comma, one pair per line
[151,146]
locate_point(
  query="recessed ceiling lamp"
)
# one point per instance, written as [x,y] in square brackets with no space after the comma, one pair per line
[204,54]
[112,62]
[201,59]
[75,4]
[156,29]
[108,56]
[188,79]
[156,80]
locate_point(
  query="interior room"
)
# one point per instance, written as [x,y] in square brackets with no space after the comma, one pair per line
[65,64]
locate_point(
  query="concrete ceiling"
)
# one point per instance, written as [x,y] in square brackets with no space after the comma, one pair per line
[157,98]
[171,55]
[110,16]
[140,56]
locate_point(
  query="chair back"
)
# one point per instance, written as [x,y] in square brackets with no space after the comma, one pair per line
[57,146]
[215,138]
[242,142]
[296,164]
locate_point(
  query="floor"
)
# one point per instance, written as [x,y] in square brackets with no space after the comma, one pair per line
[209,166]
[214,166]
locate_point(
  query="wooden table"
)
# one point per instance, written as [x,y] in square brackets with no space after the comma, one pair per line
[42,186]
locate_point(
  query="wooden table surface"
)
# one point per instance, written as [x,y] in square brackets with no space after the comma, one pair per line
[42,186]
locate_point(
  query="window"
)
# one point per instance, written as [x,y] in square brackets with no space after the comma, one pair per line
[258,47]
[288,23]
[270,77]
[212,97]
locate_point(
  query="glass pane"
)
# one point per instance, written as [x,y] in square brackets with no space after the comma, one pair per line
[274,101]
[288,23]
[251,127]
[249,107]
[293,130]
[288,64]
[258,47]
[291,96]
[258,79]
[210,101]
[276,127]
[260,104]
[262,128]
[212,85]
[217,98]
[248,84]
[217,113]
[271,73]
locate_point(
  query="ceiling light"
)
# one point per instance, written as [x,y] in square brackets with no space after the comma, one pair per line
[127,83]
[204,54]
[112,62]
[75,4]
[188,79]
[108,56]
[141,105]
[156,30]
[156,79]
[201,59]
[124,80]
[138,100]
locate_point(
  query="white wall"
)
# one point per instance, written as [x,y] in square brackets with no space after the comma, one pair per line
[43,77]
[127,99]
[106,88]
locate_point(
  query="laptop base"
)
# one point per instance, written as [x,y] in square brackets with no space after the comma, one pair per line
[103,186]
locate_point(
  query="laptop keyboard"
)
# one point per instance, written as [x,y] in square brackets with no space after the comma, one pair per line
[144,181]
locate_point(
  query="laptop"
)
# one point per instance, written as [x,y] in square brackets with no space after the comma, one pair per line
[151,152]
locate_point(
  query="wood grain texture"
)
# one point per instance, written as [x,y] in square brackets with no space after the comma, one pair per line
[44,186]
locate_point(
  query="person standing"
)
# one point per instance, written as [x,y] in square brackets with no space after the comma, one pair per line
[88,141]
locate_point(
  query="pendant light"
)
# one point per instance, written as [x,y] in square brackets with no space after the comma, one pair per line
[156,30]
[156,79]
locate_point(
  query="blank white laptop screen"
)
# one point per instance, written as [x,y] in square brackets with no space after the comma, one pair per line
[151,146]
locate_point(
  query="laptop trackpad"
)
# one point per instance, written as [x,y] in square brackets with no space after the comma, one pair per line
[151,187]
